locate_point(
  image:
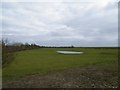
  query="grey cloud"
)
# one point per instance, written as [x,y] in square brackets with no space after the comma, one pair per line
[60,24]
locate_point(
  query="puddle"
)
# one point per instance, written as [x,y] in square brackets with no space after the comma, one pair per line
[69,52]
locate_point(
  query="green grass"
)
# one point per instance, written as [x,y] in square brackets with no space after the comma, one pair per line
[45,60]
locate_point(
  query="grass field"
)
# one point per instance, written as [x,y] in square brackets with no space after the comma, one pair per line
[45,60]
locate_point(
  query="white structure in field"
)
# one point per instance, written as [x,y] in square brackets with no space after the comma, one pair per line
[69,52]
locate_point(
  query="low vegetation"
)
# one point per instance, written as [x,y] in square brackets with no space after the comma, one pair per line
[45,60]
[29,65]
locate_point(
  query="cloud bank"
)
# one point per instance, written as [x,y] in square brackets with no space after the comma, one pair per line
[61,23]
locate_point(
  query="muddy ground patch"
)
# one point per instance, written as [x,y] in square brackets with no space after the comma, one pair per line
[72,78]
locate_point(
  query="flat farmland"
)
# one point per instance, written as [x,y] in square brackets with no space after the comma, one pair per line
[45,61]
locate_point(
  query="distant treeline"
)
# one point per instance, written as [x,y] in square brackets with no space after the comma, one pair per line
[99,47]
[15,48]
[79,47]
[57,46]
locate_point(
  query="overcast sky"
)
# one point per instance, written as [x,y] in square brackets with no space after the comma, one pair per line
[61,23]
